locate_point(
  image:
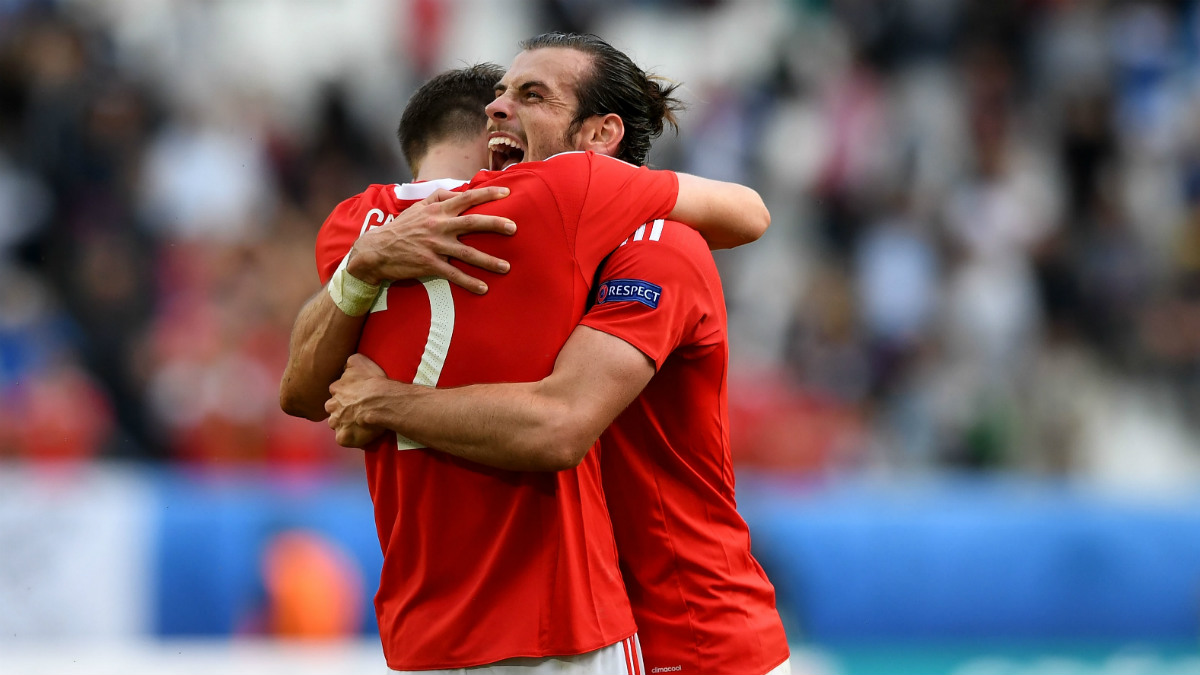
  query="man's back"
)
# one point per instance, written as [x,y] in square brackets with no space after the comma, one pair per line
[482,564]
[702,603]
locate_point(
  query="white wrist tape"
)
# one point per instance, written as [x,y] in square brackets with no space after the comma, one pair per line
[351,294]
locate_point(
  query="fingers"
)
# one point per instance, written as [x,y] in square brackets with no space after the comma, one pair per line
[476,258]
[440,195]
[461,201]
[345,437]
[334,420]
[356,436]
[478,222]
[347,434]
[418,243]
[352,437]
[461,278]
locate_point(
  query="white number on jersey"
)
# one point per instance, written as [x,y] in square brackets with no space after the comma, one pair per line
[437,343]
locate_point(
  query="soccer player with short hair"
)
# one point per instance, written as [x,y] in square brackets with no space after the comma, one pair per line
[483,566]
[658,328]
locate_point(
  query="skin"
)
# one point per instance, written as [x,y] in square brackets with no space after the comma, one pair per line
[458,159]
[535,102]
[547,425]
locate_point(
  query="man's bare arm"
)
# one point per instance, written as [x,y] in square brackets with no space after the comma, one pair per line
[419,242]
[537,426]
[725,214]
[323,337]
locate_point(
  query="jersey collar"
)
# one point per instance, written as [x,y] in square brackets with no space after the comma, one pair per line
[421,190]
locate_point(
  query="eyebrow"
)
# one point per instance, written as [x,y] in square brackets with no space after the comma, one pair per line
[525,86]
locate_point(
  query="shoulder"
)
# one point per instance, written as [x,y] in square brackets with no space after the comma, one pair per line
[665,247]
[530,189]
[353,215]
[525,173]
[572,160]
[552,168]
[379,196]
[670,237]
[600,165]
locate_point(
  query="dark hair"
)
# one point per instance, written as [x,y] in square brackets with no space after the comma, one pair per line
[450,106]
[617,85]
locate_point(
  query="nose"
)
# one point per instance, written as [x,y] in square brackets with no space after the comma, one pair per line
[497,109]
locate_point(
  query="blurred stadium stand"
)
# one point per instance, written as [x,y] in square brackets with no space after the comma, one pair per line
[967,353]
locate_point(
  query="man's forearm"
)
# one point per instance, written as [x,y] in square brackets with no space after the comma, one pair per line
[507,426]
[725,214]
[547,425]
[323,337]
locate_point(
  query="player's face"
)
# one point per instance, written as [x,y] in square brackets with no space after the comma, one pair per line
[535,103]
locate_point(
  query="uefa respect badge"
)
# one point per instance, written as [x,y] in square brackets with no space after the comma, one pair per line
[629,290]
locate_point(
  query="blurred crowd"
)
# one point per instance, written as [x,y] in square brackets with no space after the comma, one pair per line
[156,246]
[985,250]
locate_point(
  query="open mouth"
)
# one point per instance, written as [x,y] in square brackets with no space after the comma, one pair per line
[504,152]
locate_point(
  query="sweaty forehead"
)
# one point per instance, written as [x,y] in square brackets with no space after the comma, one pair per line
[557,68]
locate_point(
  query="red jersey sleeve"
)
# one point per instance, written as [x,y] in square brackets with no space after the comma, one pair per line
[653,294]
[349,220]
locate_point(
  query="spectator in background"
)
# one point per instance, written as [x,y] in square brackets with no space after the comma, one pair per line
[147,218]
[50,408]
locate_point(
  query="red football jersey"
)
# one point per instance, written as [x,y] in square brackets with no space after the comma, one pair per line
[702,603]
[482,564]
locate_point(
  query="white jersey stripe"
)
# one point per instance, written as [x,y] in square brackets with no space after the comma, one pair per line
[641,232]
[656,232]
[441,329]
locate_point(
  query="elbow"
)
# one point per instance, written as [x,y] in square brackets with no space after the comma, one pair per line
[563,456]
[762,224]
[757,221]
[562,445]
[571,453]
[295,404]
[752,222]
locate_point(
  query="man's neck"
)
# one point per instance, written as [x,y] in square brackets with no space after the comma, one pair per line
[449,160]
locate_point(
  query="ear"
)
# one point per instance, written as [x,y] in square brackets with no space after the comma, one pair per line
[602,134]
